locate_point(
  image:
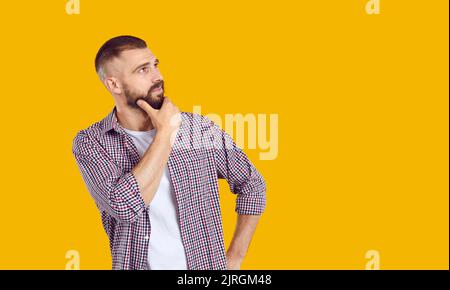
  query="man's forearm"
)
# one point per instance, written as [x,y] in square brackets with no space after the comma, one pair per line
[150,168]
[245,228]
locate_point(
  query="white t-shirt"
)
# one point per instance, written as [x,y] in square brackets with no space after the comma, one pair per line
[166,250]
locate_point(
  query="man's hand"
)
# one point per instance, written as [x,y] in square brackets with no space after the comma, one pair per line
[166,120]
[150,168]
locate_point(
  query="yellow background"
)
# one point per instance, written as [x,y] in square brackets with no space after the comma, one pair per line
[363,122]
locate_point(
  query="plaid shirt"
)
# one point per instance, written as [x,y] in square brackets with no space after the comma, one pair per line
[201,153]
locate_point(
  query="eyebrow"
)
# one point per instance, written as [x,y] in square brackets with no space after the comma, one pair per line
[145,64]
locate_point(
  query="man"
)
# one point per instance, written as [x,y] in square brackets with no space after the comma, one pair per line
[153,172]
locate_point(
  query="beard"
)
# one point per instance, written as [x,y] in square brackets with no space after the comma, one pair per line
[155,101]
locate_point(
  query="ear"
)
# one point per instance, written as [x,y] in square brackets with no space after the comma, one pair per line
[113,85]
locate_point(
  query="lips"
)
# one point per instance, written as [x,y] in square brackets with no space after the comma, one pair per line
[157,89]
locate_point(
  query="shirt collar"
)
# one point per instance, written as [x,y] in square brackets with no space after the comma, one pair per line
[110,122]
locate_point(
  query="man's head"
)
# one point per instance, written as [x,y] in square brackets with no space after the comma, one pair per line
[129,70]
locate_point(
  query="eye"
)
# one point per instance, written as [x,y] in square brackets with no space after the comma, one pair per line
[144,69]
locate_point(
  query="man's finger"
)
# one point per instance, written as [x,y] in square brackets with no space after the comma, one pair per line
[146,107]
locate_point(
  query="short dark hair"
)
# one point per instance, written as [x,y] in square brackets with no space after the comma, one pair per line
[113,48]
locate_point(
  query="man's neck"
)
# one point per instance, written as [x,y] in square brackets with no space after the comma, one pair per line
[133,119]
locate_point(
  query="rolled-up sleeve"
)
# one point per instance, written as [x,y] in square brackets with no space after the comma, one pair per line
[242,177]
[113,191]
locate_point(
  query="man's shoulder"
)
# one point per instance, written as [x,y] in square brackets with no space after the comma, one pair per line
[86,135]
[83,137]
[195,119]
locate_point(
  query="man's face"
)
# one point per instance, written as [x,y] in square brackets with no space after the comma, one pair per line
[141,78]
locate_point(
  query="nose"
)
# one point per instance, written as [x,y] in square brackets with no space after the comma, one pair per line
[156,80]
[156,76]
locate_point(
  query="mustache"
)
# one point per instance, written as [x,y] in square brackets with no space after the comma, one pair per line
[157,85]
